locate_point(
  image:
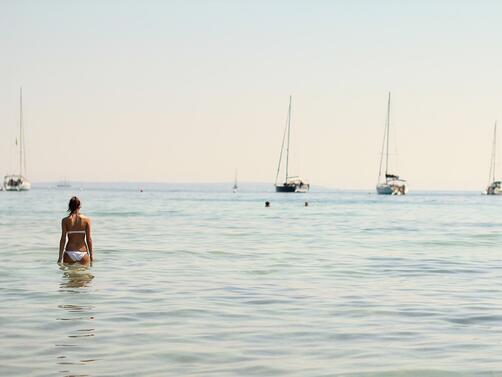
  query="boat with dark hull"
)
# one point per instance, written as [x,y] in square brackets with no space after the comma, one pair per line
[294,184]
[291,183]
[285,188]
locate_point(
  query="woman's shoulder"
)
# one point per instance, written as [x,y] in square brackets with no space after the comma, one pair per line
[85,218]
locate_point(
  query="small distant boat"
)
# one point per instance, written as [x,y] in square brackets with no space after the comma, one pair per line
[393,184]
[291,183]
[18,182]
[63,184]
[235,187]
[494,186]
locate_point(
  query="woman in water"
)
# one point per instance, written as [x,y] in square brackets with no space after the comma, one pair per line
[78,229]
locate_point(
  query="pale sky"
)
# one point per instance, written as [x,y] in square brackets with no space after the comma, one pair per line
[187,91]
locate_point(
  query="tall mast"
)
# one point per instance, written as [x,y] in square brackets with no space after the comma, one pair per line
[494,149]
[387,137]
[21,131]
[493,161]
[289,135]
[282,150]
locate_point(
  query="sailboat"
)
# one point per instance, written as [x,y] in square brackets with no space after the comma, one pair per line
[235,187]
[18,182]
[291,183]
[63,184]
[494,187]
[393,185]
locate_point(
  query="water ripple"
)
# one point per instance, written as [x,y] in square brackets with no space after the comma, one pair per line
[194,283]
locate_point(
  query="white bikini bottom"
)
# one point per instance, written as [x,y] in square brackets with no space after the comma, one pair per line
[76,256]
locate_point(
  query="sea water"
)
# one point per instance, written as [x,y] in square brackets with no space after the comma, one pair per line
[198,281]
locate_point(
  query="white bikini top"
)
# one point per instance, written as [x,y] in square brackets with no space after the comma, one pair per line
[75,231]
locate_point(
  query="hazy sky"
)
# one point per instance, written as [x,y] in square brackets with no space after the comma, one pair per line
[187,91]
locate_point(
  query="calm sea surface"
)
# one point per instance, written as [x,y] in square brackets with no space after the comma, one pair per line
[197,281]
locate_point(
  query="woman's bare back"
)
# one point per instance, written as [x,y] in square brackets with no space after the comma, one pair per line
[76,227]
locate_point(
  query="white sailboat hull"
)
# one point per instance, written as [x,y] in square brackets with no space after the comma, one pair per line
[384,189]
[16,183]
[391,189]
[23,187]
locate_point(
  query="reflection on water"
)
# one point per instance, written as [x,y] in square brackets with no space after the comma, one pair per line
[75,276]
[77,320]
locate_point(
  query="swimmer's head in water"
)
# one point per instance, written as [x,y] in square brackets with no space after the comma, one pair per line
[74,204]
[267,204]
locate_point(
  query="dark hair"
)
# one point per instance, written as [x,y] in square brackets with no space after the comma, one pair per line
[74,204]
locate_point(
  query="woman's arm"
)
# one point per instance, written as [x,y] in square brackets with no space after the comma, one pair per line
[89,238]
[62,242]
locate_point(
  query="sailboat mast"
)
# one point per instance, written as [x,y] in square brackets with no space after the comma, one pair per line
[21,131]
[289,136]
[282,150]
[381,152]
[494,153]
[387,138]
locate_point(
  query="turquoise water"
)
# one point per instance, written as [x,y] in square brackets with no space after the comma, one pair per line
[197,281]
